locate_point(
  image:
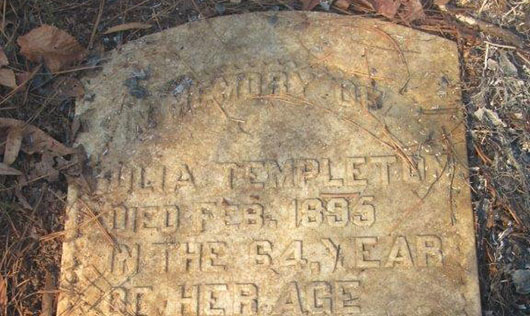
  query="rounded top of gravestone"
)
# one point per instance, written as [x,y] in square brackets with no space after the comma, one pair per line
[150,85]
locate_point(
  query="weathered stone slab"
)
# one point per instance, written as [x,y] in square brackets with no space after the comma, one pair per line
[274,164]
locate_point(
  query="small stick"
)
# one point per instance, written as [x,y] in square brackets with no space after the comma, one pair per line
[486,27]
[499,45]
[96,24]
[107,235]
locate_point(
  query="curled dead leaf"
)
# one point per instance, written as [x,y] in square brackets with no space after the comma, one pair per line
[56,47]
[7,78]
[6,170]
[35,140]
[12,146]
[128,26]
[3,58]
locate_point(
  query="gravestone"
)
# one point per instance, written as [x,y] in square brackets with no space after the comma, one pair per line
[278,163]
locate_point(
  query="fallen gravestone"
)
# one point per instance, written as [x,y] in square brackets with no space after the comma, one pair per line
[278,163]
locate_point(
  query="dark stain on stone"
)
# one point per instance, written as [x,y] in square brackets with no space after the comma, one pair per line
[273,19]
[134,86]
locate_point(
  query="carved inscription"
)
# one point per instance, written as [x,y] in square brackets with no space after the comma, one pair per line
[324,172]
[336,212]
[348,172]
[163,219]
[193,238]
[187,257]
[234,86]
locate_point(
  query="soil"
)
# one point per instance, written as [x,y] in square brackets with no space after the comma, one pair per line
[495,70]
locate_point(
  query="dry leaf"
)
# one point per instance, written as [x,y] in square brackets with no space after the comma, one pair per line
[12,147]
[3,58]
[413,10]
[56,47]
[6,170]
[3,290]
[342,4]
[35,140]
[22,199]
[308,5]
[69,87]
[45,168]
[128,26]
[387,8]
[7,78]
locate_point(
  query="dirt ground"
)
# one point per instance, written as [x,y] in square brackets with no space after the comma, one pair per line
[493,38]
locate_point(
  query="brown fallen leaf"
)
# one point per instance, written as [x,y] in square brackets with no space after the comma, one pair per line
[35,140]
[308,5]
[7,78]
[45,168]
[3,294]
[413,10]
[12,147]
[128,26]
[6,170]
[3,58]
[22,199]
[387,8]
[56,47]
[342,4]
[69,87]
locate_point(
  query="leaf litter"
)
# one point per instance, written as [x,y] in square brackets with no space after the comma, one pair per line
[48,44]
[20,136]
[7,76]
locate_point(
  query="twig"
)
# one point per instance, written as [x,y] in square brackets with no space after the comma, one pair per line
[93,215]
[15,90]
[499,45]
[96,24]
[48,295]
[401,55]
[486,27]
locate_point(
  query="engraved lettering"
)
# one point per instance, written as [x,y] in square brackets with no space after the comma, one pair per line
[429,250]
[384,163]
[213,297]
[261,250]
[289,302]
[246,299]
[347,299]
[320,298]
[400,253]
[125,259]
[214,257]
[362,252]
